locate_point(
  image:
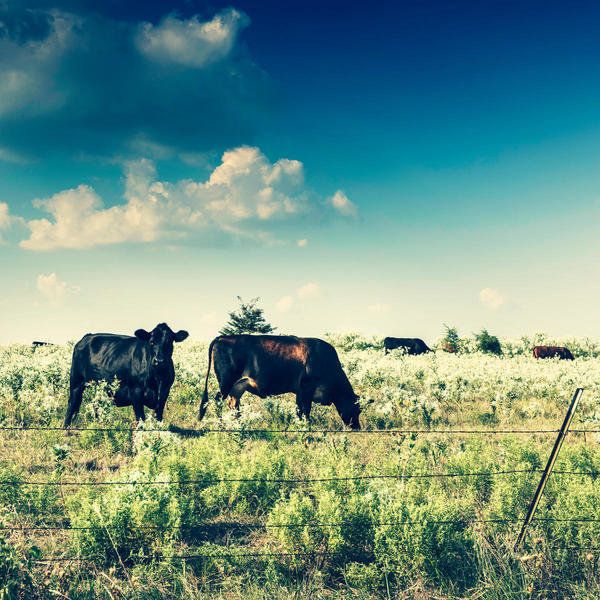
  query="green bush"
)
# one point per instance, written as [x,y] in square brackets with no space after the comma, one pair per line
[451,341]
[488,343]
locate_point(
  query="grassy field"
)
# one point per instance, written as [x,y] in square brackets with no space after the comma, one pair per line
[239,514]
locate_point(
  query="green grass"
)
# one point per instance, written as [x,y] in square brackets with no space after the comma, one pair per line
[437,537]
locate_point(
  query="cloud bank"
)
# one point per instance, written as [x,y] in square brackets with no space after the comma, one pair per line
[242,195]
[180,84]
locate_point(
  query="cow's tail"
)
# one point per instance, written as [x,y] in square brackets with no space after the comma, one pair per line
[204,401]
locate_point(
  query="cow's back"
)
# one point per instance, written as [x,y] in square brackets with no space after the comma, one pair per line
[411,345]
[324,364]
[552,352]
[106,356]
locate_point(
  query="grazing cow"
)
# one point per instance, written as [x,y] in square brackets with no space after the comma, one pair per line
[552,352]
[268,365]
[143,364]
[36,344]
[412,346]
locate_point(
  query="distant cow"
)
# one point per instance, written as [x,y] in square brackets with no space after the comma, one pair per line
[552,352]
[37,344]
[143,365]
[268,365]
[412,346]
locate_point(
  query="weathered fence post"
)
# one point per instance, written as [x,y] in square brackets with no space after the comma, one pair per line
[548,470]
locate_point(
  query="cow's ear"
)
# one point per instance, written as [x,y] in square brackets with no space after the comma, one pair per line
[181,335]
[142,334]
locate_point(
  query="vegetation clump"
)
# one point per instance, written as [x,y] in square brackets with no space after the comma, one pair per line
[451,341]
[248,318]
[488,343]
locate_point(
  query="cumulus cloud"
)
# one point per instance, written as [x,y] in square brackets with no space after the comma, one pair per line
[180,85]
[285,303]
[305,292]
[4,215]
[21,24]
[6,219]
[53,288]
[491,298]
[342,204]
[242,195]
[191,42]
[27,87]
[310,290]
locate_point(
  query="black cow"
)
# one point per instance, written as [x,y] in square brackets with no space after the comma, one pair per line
[412,346]
[37,344]
[268,365]
[143,365]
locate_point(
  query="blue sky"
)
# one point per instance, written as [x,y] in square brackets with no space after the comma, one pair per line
[380,167]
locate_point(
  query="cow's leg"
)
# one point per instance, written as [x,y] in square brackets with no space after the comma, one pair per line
[237,391]
[162,395]
[137,400]
[304,399]
[75,396]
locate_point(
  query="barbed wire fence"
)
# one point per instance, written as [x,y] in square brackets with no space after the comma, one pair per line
[222,526]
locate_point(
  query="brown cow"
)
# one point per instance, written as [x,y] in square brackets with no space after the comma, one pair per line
[268,365]
[552,352]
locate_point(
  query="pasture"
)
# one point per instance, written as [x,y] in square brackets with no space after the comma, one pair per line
[248,507]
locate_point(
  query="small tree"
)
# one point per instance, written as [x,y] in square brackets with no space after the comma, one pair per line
[488,343]
[248,318]
[451,340]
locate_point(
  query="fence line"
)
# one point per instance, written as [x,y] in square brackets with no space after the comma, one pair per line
[191,431]
[262,525]
[237,555]
[209,481]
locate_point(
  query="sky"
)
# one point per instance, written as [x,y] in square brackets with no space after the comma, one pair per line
[382,167]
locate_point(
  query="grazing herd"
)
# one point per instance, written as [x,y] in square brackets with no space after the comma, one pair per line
[263,365]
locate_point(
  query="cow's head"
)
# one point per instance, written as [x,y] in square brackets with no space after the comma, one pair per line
[161,340]
[349,410]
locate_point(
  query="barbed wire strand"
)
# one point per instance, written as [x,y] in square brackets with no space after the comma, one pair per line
[186,431]
[209,481]
[238,555]
[262,525]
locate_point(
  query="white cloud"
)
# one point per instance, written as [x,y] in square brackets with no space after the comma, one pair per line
[53,288]
[343,204]
[244,188]
[80,221]
[9,156]
[308,291]
[27,85]
[5,217]
[380,308]
[284,304]
[302,243]
[491,298]
[305,292]
[192,43]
